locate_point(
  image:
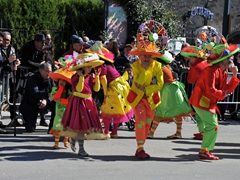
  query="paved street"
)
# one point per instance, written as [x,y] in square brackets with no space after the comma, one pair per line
[30,156]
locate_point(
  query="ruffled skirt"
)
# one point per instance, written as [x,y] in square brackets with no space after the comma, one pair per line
[115,108]
[174,103]
[80,117]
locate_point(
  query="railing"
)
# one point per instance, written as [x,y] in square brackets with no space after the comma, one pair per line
[7,77]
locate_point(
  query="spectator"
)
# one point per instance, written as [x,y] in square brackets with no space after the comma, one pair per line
[125,58]
[85,39]
[234,108]
[182,67]
[32,52]
[7,50]
[113,47]
[49,50]
[174,65]
[77,45]
[4,63]
[182,62]
[36,97]
[70,50]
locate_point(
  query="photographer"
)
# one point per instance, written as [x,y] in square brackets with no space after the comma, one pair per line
[36,97]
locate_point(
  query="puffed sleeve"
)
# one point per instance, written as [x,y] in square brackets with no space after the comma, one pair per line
[96,86]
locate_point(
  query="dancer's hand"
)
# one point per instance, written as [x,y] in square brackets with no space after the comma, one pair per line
[140,87]
[234,70]
[98,71]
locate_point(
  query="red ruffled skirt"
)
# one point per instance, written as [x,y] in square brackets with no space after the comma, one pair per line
[80,117]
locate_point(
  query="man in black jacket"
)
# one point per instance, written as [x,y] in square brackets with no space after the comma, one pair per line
[36,97]
[32,52]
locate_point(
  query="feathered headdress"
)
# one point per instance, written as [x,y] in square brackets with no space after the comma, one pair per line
[194,51]
[101,51]
[222,52]
[64,71]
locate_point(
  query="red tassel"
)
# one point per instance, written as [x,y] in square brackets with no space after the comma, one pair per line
[58,93]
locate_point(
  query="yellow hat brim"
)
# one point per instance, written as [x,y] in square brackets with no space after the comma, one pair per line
[93,64]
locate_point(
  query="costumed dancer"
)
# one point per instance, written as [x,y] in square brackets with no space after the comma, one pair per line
[174,101]
[60,94]
[81,114]
[198,57]
[197,64]
[144,95]
[212,86]
[115,108]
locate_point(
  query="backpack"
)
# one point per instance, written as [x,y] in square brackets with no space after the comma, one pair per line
[21,85]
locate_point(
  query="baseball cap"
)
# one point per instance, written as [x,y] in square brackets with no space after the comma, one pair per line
[77,40]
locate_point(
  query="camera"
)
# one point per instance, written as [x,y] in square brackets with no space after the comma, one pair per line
[40,101]
[13,63]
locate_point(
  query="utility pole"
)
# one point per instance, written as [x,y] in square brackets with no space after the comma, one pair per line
[206,18]
[225,25]
[106,4]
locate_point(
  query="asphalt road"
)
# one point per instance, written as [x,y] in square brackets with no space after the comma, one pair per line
[30,156]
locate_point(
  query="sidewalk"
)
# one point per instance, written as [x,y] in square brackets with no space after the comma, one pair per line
[30,156]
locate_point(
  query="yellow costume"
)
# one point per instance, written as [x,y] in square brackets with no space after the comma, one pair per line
[145,78]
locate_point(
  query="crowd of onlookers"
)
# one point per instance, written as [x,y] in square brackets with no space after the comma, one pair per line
[37,56]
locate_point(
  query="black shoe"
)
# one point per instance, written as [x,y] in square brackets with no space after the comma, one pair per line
[43,123]
[3,131]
